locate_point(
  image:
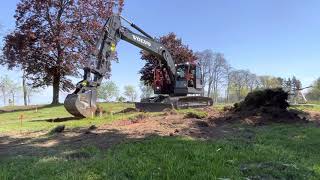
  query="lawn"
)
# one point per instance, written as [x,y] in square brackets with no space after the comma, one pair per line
[40,120]
[277,151]
[307,107]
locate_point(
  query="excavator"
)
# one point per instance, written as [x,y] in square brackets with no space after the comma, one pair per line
[176,85]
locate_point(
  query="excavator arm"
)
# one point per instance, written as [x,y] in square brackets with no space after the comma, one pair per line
[82,103]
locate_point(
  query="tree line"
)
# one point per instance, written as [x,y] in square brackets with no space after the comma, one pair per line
[314,93]
[109,91]
[10,90]
[226,84]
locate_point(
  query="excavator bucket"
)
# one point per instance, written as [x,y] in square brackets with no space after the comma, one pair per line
[81,104]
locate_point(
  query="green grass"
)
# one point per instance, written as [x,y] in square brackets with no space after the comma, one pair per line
[276,151]
[36,121]
[308,107]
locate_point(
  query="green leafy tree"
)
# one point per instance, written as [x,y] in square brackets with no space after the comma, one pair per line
[146,90]
[121,99]
[108,90]
[130,92]
[314,93]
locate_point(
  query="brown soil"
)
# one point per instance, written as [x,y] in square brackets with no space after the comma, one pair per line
[171,124]
[217,125]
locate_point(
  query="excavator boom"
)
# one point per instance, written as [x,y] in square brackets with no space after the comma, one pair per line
[82,102]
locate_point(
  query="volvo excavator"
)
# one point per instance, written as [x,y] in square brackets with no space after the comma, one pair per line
[176,85]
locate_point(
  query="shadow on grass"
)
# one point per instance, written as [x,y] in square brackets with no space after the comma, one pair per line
[56,120]
[58,144]
[28,108]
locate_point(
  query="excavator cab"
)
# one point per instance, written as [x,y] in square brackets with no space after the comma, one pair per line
[188,79]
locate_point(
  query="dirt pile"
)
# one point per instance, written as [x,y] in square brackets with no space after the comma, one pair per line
[264,106]
[196,115]
[58,129]
[128,110]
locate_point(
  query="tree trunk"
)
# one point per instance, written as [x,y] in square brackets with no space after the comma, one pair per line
[228,92]
[13,99]
[56,88]
[24,90]
[239,94]
[4,97]
[209,88]
[28,98]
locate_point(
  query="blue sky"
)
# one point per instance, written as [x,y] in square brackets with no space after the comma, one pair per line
[267,37]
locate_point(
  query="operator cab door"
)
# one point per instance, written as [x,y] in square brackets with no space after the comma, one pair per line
[199,82]
[181,84]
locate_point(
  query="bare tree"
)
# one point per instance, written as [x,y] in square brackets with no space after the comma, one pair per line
[214,71]
[228,82]
[30,92]
[205,58]
[218,74]
[14,88]
[5,84]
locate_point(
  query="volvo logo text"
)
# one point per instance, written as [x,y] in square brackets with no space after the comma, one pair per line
[136,38]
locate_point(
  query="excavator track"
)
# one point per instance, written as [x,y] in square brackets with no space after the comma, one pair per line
[160,103]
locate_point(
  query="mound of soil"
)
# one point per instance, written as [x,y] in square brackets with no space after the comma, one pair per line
[276,98]
[129,110]
[196,115]
[58,129]
[263,106]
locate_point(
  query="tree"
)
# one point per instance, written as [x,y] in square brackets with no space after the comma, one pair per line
[214,71]
[146,90]
[219,68]
[314,93]
[267,82]
[130,92]
[8,89]
[121,99]
[4,88]
[14,88]
[30,92]
[238,80]
[180,53]
[53,38]
[204,59]
[24,89]
[108,90]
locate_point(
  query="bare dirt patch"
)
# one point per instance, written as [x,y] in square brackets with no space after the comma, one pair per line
[217,124]
[105,136]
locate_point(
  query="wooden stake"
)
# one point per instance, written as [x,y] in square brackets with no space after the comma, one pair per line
[92,114]
[21,118]
[100,111]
